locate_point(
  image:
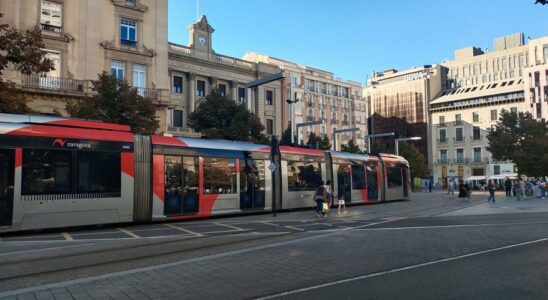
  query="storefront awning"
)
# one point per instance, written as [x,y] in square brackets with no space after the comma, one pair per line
[472,178]
[504,176]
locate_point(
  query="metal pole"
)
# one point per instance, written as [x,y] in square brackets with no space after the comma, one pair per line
[291,122]
[334,141]
[397,147]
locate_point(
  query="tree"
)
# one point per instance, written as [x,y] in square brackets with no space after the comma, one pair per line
[221,118]
[417,162]
[23,52]
[313,140]
[378,147]
[521,139]
[116,102]
[541,2]
[351,147]
[325,144]
[286,137]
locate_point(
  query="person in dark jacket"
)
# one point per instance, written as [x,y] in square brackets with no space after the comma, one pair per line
[464,190]
[508,187]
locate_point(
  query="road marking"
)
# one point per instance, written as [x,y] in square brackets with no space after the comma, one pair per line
[172,264]
[229,226]
[268,223]
[294,228]
[43,249]
[319,286]
[67,236]
[131,234]
[184,230]
[454,226]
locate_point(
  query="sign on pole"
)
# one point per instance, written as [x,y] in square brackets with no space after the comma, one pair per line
[272,167]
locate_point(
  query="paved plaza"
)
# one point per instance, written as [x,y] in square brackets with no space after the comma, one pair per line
[431,247]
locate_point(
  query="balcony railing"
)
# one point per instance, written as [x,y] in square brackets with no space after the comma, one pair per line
[310,104]
[334,121]
[52,28]
[128,43]
[148,93]
[442,124]
[476,138]
[345,123]
[442,141]
[459,140]
[442,161]
[310,119]
[54,83]
[461,160]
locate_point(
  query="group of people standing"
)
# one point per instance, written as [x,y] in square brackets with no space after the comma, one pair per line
[464,190]
[520,188]
[324,199]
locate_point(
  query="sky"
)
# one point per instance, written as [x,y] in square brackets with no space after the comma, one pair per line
[353,38]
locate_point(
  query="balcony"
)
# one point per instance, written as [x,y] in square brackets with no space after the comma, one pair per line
[458,122]
[442,141]
[128,43]
[442,161]
[310,104]
[147,93]
[334,121]
[54,83]
[309,119]
[477,161]
[51,28]
[442,124]
[476,139]
[182,131]
[461,160]
[345,123]
[459,140]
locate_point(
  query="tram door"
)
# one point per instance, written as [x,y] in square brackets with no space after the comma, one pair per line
[252,184]
[7,169]
[181,185]
[405,182]
[343,182]
[372,184]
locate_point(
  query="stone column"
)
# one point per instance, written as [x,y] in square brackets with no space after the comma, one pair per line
[234,91]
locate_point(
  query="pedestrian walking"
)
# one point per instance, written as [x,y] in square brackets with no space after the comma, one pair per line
[329,193]
[464,190]
[319,197]
[517,191]
[341,202]
[451,189]
[492,189]
[430,186]
[508,187]
[522,188]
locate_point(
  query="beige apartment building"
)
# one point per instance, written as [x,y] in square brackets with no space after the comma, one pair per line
[320,96]
[399,102]
[128,38]
[479,85]
[196,69]
[85,38]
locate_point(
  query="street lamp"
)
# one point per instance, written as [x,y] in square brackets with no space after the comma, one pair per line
[319,122]
[414,138]
[335,131]
[370,136]
[292,122]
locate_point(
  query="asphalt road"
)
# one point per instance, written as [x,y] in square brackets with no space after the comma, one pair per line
[426,248]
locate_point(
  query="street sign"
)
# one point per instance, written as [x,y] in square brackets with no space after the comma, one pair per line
[272,167]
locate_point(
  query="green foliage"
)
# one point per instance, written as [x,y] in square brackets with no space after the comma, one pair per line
[417,162]
[351,147]
[116,102]
[313,140]
[378,147]
[221,118]
[286,137]
[22,51]
[325,144]
[521,139]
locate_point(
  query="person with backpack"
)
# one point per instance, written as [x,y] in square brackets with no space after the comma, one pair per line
[319,197]
[492,189]
[329,193]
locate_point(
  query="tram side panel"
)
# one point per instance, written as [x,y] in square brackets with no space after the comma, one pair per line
[300,179]
[72,182]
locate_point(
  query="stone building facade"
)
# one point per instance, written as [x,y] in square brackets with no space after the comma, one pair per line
[320,96]
[196,69]
[85,38]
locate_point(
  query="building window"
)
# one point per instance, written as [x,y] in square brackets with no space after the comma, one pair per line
[475,117]
[241,94]
[177,118]
[128,32]
[177,84]
[442,120]
[200,88]
[443,156]
[458,118]
[269,98]
[222,89]
[443,135]
[460,156]
[269,126]
[139,78]
[458,135]
[496,169]
[493,115]
[514,110]
[117,69]
[51,17]
[477,154]
[476,133]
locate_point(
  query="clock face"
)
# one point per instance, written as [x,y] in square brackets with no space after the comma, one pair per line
[202,40]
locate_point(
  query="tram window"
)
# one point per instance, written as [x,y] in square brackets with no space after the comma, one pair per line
[46,172]
[358,177]
[98,172]
[252,172]
[303,176]
[219,176]
[394,177]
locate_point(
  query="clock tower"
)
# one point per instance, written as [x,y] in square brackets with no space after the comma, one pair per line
[200,36]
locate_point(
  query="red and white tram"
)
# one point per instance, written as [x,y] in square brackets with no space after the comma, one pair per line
[57,172]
